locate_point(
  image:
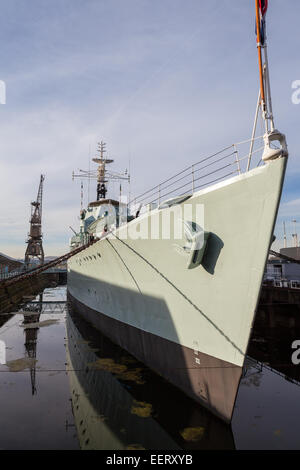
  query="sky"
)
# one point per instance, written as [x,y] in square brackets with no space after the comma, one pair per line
[162,82]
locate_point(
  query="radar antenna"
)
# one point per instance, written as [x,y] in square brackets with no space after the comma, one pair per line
[102,175]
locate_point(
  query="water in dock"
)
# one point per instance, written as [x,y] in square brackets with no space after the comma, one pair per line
[66,386]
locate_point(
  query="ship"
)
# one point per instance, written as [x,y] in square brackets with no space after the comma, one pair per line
[174,276]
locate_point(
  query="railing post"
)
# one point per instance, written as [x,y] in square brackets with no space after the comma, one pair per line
[193,180]
[237,159]
[158,194]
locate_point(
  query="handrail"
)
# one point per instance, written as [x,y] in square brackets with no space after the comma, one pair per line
[180,172]
[190,175]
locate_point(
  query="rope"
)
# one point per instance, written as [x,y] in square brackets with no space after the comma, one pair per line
[44,267]
[124,265]
[181,293]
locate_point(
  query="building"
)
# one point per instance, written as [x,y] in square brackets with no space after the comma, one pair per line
[8,264]
[292,252]
[281,272]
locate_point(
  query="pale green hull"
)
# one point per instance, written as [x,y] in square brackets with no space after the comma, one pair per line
[208,309]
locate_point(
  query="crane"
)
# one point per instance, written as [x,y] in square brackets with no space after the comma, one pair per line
[34,250]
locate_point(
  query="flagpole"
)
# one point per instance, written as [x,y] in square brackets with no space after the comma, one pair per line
[261,78]
[270,107]
[271,135]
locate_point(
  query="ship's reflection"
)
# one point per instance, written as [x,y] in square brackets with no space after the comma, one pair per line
[118,403]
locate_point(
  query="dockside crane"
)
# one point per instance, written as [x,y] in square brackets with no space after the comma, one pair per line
[34,250]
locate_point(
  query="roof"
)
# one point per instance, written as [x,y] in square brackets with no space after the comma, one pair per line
[292,252]
[104,201]
[8,261]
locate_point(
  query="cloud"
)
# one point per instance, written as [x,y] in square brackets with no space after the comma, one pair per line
[289,211]
[164,83]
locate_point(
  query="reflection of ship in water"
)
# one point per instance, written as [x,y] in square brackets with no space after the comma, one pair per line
[118,403]
[31,334]
[275,329]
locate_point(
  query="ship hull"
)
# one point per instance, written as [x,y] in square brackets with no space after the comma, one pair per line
[212,381]
[190,325]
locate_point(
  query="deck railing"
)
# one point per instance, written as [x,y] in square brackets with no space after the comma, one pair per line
[209,170]
[9,274]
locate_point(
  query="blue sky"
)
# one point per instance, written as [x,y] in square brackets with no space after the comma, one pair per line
[161,81]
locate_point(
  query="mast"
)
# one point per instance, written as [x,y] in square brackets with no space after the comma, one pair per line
[102,175]
[295,235]
[261,7]
[284,237]
[272,136]
[260,65]
[101,171]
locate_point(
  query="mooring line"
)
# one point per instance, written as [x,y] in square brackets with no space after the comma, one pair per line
[125,265]
[181,293]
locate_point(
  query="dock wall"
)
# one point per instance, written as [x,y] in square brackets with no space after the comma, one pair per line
[13,294]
